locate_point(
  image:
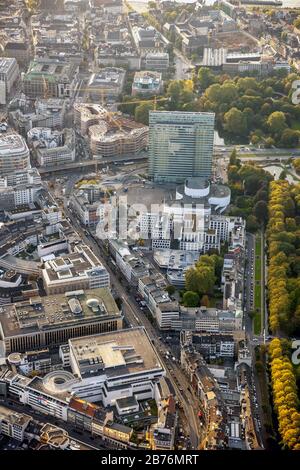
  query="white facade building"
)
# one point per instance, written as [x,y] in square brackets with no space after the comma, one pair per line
[14,154]
[9,75]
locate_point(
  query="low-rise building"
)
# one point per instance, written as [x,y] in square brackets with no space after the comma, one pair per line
[176,263]
[39,323]
[163,309]
[106,84]
[9,75]
[156,61]
[147,83]
[51,77]
[132,265]
[14,154]
[118,55]
[165,429]
[148,40]
[88,204]
[214,346]
[80,269]
[43,113]
[52,148]
[34,362]
[19,188]
[115,365]
[13,424]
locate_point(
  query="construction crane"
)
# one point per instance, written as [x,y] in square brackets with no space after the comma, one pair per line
[155,99]
[110,114]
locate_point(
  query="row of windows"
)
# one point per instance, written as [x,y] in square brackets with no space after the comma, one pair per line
[50,338]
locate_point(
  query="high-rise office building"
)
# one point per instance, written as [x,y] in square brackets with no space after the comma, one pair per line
[180,145]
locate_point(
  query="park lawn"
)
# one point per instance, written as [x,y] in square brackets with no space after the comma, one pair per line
[258,260]
[257,318]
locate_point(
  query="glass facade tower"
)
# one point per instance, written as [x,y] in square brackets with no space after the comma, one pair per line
[180,145]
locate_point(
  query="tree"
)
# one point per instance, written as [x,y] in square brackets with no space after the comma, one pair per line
[218,265]
[229,92]
[285,398]
[252,184]
[290,138]
[234,122]
[247,83]
[269,142]
[201,278]
[191,299]
[205,77]
[205,301]
[255,139]
[296,165]
[32,6]
[252,223]
[170,289]
[261,212]
[297,22]
[173,91]
[142,112]
[233,159]
[213,93]
[276,122]
[261,195]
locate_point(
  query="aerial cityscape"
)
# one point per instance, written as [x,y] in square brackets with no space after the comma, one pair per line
[150,226]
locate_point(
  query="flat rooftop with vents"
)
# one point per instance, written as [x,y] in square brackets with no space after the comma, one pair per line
[119,353]
[40,313]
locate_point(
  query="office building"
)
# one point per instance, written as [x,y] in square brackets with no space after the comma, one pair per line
[147,83]
[80,269]
[13,424]
[50,78]
[9,74]
[156,61]
[180,145]
[113,366]
[42,322]
[25,115]
[108,83]
[14,154]
[52,148]
[89,204]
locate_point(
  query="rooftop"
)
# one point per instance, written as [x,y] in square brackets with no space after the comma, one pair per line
[109,76]
[13,417]
[118,353]
[51,69]
[57,311]
[6,63]
[70,266]
[12,144]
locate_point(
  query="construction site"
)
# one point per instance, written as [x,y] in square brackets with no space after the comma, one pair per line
[109,134]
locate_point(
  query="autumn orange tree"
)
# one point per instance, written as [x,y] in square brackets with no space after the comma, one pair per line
[285,396]
[283,235]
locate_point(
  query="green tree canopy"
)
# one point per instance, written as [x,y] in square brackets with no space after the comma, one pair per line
[276,122]
[191,299]
[141,113]
[234,122]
